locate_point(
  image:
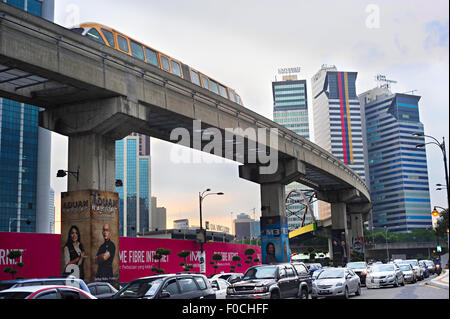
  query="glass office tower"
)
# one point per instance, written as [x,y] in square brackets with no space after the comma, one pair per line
[20,141]
[337,120]
[396,169]
[133,168]
[290,109]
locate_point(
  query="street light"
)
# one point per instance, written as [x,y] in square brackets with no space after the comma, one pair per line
[387,249]
[442,148]
[201,197]
[62,173]
[11,220]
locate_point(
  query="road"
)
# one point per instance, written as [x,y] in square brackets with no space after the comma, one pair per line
[420,290]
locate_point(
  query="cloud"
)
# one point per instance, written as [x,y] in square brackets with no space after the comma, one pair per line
[437,34]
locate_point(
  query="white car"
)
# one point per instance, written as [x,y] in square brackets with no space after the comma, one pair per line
[408,273]
[417,267]
[231,277]
[336,282]
[220,287]
[45,292]
[380,275]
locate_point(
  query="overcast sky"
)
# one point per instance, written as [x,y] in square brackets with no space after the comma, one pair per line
[243,43]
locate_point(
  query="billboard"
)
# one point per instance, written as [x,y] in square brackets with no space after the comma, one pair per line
[90,235]
[42,255]
[274,240]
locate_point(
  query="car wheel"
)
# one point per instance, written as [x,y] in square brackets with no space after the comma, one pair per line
[346,296]
[358,291]
[396,282]
[303,293]
[274,295]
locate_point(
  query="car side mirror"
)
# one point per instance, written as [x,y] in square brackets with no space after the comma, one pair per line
[164,294]
[348,276]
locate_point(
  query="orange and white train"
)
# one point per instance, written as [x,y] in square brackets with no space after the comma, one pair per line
[127,45]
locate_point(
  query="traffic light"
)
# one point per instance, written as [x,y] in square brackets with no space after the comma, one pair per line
[434,251]
[439,248]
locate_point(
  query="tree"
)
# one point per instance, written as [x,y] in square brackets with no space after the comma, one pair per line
[184,254]
[159,254]
[442,224]
[216,258]
[14,255]
[236,259]
[249,253]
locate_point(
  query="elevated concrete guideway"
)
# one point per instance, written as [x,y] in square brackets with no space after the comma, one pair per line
[96,95]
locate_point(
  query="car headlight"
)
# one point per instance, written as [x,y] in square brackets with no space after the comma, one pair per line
[230,290]
[260,289]
[364,272]
[339,284]
[391,276]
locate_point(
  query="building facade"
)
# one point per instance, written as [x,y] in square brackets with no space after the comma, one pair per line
[337,120]
[245,227]
[133,168]
[25,175]
[158,217]
[290,109]
[397,171]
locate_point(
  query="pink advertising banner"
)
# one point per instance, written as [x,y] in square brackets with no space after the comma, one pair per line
[137,256]
[41,255]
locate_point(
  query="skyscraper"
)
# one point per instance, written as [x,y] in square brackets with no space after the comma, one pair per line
[396,170]
[337,120]
[133,168]
[290,109]
[24,194]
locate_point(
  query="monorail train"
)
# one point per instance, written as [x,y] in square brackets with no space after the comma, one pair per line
[127,45]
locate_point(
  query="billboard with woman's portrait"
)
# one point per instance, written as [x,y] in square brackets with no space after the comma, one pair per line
[90,235]
[274,240]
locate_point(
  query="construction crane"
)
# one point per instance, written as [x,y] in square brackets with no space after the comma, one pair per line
[384,82]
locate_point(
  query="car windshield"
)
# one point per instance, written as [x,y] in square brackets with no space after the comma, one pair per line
[14,295]
[331,273]
[261,273]
[141,288]
[413,262]
[380,268]
[356,265]
[405,267]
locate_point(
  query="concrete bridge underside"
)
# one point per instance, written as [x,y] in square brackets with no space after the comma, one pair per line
[96,95]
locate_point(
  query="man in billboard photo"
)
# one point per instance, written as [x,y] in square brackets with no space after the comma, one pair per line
[105,256]
[74,254]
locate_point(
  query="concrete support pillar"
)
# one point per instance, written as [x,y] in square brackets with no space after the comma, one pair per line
[340,243]
[357,229]
[273,201]
[94,156]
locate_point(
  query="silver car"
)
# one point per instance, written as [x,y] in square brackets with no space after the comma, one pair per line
[380,275]
[408,273]
[417,267]
[336,282]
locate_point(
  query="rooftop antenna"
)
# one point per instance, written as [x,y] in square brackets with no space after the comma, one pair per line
[412,92]
[384,82]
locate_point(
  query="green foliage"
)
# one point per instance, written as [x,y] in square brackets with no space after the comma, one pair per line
[14,255]
[159,254]
[184,254]
[217,257]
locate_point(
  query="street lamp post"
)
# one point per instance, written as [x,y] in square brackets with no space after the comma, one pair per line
[442,148]
[201,197]
[387,248]
[11,220]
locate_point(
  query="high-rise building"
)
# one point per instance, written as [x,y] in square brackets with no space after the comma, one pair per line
[51,211]
[396,170]
[133,168]
[245,227]
[24,194]
[158,217]
[337,120]
[290,109]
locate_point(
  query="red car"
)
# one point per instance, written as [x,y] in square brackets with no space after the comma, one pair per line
[45,292]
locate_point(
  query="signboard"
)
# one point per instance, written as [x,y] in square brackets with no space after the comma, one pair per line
[274,240]
[90,235]
[303,230]
[289,70]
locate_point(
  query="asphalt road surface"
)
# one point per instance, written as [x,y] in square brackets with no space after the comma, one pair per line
[420,290]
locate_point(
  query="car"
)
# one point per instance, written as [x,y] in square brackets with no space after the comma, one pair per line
[417,267]
[360,268]
[426,272]
[336,282]
[6,284]
[45,292]
[231,277]
[380,275]
[316,274]
[312,267]
[63,281]
[102,290]
[220,287]
[168,286]
[408,273]
[284,280]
